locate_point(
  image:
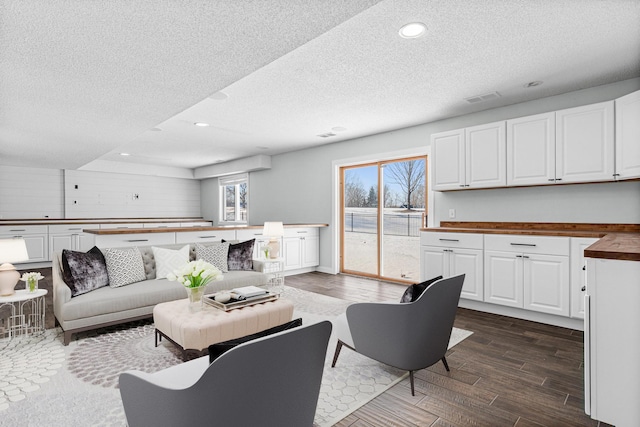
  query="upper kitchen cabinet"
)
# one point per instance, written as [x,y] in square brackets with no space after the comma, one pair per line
[531,150]
[473,157]
[448,165]
[585,143]
[628,136]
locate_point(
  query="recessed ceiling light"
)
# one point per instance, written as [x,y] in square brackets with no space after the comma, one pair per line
[219,96]
[201,124]
[533,84]
[125,154]
[413,30]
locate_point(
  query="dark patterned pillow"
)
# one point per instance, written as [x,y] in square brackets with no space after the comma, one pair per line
[241,255]
[124,266]
[414,291]
[84,272]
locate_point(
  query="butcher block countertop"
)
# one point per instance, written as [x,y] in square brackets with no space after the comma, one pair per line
[188,229]
[617,241]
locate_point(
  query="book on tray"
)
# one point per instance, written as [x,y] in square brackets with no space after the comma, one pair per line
[249,292]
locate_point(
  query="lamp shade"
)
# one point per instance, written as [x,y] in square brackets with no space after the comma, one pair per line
[273,229]
[13,250]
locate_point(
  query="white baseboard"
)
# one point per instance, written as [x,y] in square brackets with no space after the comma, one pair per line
[534,316]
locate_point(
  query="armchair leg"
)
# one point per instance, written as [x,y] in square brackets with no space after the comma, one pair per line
[337,353]
[413,393]
[446,365]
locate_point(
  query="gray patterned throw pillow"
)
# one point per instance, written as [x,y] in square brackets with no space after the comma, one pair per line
[214,253]
[124,266]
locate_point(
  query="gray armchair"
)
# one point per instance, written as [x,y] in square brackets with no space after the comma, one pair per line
[270,381]
[408,336]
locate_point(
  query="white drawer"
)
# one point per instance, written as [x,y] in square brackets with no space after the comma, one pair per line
[301,232]
[113,225]
[161,225]
[204,236]
[19,230]
[530,244]
[135,239]
[250,233]
[71,228]
[196,224]
[452,240]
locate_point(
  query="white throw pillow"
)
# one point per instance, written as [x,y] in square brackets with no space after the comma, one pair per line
[168,260]
[124,266]
[214,253]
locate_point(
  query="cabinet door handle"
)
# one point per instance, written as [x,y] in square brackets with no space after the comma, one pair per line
[584,288]
[559,179]
[584,268]
[616,174]
[206,237]
[523,244]
[137,240]
[18,229]
[519,256]
[449,240]
[74,229]
[524,256]
[551,179]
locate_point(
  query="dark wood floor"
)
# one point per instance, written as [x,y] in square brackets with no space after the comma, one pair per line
[510,372]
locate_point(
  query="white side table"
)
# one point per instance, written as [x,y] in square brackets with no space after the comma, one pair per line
[274,267]
[18,323]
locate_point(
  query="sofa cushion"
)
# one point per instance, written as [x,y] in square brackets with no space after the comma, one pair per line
[124,266]
[214,253]
[168,260]
[414,291]
[241,255]
[84,272]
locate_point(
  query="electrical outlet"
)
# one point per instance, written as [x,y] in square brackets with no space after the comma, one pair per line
[452,213]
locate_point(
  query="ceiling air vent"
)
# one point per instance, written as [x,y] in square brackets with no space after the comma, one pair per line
[327,135]
[482,98]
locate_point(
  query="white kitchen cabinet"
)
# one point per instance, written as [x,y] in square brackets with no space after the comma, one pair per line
[300,248]
[585,143]
[578,274]
[448,165]
[485,156]
[35,238]
[134,239]
[451,254]
[70,236]
[473,157]
[530,272]
[160,225]
[204,236]
[261,240]
[628,136]
[611,344]
[531,150]
[196,224]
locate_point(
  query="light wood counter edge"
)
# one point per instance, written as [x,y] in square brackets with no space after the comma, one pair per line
[616,246]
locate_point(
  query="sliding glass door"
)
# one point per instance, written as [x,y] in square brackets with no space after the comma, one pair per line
[383,206]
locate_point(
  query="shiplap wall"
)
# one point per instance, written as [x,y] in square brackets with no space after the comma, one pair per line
[31,193]
[110,195]
[51,193]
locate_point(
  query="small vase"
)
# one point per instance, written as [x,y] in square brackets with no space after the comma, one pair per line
[31,285]
[195,297]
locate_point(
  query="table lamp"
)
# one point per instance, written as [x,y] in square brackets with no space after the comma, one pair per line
[11,250]
[273,230]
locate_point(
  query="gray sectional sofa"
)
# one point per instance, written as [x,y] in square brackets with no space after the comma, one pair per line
[108,306]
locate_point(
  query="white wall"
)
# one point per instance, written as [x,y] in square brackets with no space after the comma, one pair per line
[31,193]
[299,188]
[110,195]
[50,193]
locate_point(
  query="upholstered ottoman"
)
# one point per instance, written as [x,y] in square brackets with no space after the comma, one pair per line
[196,331]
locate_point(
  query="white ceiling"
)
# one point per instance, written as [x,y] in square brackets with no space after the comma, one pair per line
[82,81]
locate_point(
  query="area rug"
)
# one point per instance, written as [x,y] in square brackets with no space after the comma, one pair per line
[44,383]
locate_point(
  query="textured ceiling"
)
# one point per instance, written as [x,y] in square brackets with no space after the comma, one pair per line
[82,81]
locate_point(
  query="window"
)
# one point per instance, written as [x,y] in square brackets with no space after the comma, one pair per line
[234,197]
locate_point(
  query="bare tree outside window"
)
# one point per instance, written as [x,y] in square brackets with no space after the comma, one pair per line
[409,176]
[354,192]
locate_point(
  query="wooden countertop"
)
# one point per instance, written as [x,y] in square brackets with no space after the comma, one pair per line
[105,232]
[617,241]
[619,246]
